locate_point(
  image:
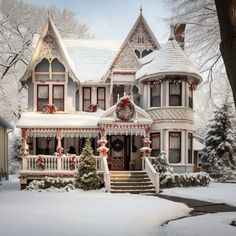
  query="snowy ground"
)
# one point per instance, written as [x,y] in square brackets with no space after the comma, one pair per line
[215,192]
[25,213]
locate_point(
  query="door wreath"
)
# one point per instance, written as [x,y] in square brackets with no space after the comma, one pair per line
[117,145]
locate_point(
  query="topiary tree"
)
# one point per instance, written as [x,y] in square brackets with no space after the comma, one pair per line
[87,177]
[219,159]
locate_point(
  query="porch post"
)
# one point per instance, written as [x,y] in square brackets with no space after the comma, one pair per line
[25,146]
[59,148]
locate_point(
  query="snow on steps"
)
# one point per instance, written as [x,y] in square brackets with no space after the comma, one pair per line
[131,182]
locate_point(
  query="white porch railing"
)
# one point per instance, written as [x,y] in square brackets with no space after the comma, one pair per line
[53,163]
[152,174]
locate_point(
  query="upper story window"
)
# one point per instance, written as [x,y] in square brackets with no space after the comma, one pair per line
[48,70]
[101,97]
[145,52]
[190,97]
[156,144]
[86,98]
[137,52]
[156,96]
[174,147]
[42,96]
[58,96]
[175,89]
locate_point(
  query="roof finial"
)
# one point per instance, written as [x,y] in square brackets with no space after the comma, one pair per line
[172,34]
[141,9]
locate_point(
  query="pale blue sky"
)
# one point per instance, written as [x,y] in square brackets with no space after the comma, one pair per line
[114,18]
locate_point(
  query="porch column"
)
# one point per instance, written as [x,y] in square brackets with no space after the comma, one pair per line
[25,147]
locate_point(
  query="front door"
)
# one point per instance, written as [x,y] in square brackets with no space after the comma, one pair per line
[120,152]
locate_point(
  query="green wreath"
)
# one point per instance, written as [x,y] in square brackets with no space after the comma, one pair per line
[117,145]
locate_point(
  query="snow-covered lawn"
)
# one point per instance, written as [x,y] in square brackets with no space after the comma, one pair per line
[215,192]
[26,213]
[206,225]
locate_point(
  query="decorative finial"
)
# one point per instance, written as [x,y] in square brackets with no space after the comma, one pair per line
[141,9]
[172,34]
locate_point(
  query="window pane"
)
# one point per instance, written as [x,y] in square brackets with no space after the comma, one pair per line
[174,156]
[43,66]
[101,93]
[155,138]
[175,140]
[86,93]
[42,91]
[86,105]
[190,147]
[58,91]
[42,77]
[101,104]
[59,103]
[41,103]
[175,100]
[57,66]
[58,77]
[156,96]
[175,88]
[175,147]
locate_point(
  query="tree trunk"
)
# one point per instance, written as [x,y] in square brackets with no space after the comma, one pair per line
[226,11]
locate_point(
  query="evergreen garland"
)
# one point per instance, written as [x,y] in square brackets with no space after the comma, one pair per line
[87,177]
[219,158]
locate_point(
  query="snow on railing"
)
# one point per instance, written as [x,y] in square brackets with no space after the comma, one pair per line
[106,174]
[152,174]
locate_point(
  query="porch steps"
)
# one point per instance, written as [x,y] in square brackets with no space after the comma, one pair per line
[131,182]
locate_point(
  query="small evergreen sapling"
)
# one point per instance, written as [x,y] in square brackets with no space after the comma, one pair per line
[87,178]
[219,159]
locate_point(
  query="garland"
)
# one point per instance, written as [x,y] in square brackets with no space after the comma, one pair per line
[117,145]
[73,159]
[40,163]
[49,109]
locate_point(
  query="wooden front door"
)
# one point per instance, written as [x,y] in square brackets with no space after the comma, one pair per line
[119,152]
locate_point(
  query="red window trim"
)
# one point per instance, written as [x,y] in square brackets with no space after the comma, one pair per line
[175,148]
[90,99]
[180,94]
[41,85]
[53,99]
[104,99]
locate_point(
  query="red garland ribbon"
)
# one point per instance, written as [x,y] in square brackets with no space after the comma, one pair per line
[72,162]
[125,102]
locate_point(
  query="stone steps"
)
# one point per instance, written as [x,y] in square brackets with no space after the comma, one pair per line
[136,182]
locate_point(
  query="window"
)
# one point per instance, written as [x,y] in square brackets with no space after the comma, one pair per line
[175,94]
[190,148]
[146,52]
[118,90]
[86,98]
[156,96]
[42,96]
[137,52]
[190,97]
[58,97]
[101,98]
[155,138]
[48,70]
[174,147]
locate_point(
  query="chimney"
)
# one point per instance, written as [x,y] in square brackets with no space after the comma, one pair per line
[179,32]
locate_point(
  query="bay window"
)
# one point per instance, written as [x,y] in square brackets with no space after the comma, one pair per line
[174,147]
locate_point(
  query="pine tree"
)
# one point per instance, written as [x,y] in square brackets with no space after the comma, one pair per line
[219,157]
[87,177]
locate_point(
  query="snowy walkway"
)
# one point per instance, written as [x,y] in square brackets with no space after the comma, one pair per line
[25,213]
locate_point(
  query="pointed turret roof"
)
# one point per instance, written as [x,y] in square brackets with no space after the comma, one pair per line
[169,60]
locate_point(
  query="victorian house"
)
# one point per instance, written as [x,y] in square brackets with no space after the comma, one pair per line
[121,92]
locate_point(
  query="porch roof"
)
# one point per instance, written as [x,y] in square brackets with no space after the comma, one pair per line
[60,120]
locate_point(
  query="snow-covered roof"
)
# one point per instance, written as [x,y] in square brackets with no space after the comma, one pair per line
[5,123]
[197,146]
[60,120]
[169,60]
[91,57]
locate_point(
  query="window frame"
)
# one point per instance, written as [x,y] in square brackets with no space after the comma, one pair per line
[63,99]
[42,85]
[90,99]
[179,133]
[104,99]
[151,95]
[179,95]
[190,149]
[151,138]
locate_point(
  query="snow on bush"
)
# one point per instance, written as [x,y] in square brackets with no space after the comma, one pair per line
[51,183]
[169,179]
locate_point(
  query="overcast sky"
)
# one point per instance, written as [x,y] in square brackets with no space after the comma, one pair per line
[114,18]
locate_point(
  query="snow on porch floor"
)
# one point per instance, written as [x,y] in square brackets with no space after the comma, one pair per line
[25,213]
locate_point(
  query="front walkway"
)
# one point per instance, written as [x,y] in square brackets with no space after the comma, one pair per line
[200,207]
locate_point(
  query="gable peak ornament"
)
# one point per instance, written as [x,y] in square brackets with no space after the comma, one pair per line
[125,108]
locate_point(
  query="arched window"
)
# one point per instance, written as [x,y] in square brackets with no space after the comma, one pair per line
[58,70]
[42,70]
[137,52]
[146,52]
